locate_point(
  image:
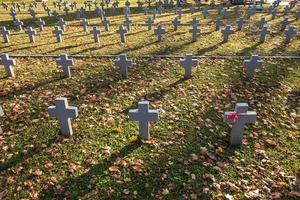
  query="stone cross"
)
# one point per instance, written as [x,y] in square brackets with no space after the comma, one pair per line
[262,23]
[251,65]
[64,113]
[19,24]
[58,32]
[219,9]
[143,115]
[123,64]
[205,12]
[31,33]
[218,23]
[106,24]
[176,22]
[239,118]
[154,13]
[225,13]
[240,22]
[127,23]
[297,14]
[65,62]
[48,10]
[32,12]
[5,33]
[263,33]
[40,23]
[122,31]
[179,12]
[194,32]
[84,24]
[66,10]
[55,14]
[8,65]
[78,14]
[286,10]
[284,23]
[1,115]
[187,63]
[159,31]
[96,32]
[237,10]
[146,9]
[62,24]
[274,13]
[226,32]
[289,33]
[149,23]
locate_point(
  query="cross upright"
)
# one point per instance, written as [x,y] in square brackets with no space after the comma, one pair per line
[84,24]
[122,31]
[154,13]
[58,32]
[226,32]
[263,33]
[62,24]
[106,23]
[13,14]
[205,12]
[159,31]
[149,23]
[66,10]
[237,10]
[289,33]
[297,14]
[187,63]
[40,23]
[143,115]
[8,65]
[219,9]
[48,10]
[19,24]
[176,22]
[96,33]
[274,13]
[55,14]
[32,13]
[1,115]
[251,65]
[65,62]
[5,33]
[123,64]
[179,12]
[127,23]
[31,33]
[195,22]
[218,23]
[64,113]
[284,23]
[240,22]
[225,13]
[194,32]
[239,118]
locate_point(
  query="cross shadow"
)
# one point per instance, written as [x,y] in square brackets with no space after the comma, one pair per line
[208,49]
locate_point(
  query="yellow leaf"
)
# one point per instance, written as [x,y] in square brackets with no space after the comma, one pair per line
[133,138]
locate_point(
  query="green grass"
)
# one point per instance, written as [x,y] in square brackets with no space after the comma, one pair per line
[100,161]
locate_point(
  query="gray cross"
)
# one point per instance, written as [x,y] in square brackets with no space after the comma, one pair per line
[122,31]
[48,10]
[179,12]
[239,118]
[205,12]
[65,62]
[5,33]
[32,13]
[78,14]
[237,10]
[262,23]
[40,23]
[289,33]
[55,14]
[149,23]
[123,64]
[225,13]
[58,32]
[251,65]
[219,9]
[19,24]
[274,13]
[187,63]
[84,24]
[176,22]
[8,65]
[194,32]
[143,115]
[286,10]
[106,24]
[62,24]
[1,115]
[146,9]
[240,22]
[263,33]
[31,33]
[218,23]
[159,31]
[154,13]
[284,23]
[297,14]
[66,10]
[64,113]
[226,32]
[127,23]
[96,32]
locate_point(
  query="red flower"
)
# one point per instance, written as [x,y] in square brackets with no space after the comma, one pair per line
[232,116]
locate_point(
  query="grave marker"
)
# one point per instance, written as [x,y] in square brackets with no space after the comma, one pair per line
[96,33]
[123,65]
[240,22]
[19,24]
[58,32]
[194,32]
[84,24]
[122,31]
[8,65]
[149,23]
[5,33]
[65,62]
[106,24]
[218,23]
[159,31]
[40,23]
[187,63]
[263,33]
[62,24]
[284,23]
[64,113]
[251,64]
[1,115]
[289,33]
[176,22]
[31,33]
[226,32]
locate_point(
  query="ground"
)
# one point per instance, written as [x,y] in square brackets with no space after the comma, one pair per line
[188,155]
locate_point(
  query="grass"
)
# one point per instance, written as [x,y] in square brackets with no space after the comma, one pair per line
[188,155]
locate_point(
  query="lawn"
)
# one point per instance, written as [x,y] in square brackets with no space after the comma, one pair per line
[188,155]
